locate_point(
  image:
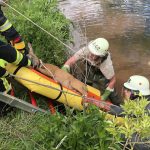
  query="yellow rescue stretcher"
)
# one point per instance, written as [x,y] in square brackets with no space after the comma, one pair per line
[48,87]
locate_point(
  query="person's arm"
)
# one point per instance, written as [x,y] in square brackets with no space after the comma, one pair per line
[116,110]
[3,72]
[109,89]
[9,32]
[11,55]
[112,82]
[72,60]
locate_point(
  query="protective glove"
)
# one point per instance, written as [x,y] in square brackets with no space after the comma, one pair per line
[106,93]
[66,68]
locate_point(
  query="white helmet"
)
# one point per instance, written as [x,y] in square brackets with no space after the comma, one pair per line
[99,47]
[138,83]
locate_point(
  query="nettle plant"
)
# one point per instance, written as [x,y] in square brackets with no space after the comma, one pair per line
[136,123]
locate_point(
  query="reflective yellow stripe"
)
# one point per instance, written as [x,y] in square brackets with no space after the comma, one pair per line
[6,85]
[18,59]
[20,45]
[3,63]
[5,26]
[6,74]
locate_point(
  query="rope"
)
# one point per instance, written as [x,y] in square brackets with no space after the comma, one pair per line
[45,85]
[99,103]
[48,34]
[42,30]
[39,26]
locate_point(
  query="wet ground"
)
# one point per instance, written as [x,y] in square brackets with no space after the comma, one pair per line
[126,25]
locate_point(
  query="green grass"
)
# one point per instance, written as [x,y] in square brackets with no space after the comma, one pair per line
[44,131]
[46,15]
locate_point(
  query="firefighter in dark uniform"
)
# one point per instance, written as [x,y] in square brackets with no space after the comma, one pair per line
[9,32]
[14,52]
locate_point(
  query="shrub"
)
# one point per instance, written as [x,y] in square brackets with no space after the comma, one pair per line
[136,122]
[46,15]
[45,131]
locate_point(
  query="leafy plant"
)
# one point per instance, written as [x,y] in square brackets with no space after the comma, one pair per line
[43,25]
[45,131]
[136,122]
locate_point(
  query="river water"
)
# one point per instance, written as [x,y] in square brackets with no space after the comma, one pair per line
[126,25]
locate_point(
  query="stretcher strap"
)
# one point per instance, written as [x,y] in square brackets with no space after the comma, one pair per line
[59,93]
[17,69]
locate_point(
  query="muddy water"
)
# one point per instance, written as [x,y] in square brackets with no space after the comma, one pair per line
[125,23]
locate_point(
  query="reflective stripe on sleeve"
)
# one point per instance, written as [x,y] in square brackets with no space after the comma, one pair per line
[6,84]
[18,58]
[5,26]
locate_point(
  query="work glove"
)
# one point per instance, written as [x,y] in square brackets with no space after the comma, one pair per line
[106,93]
[66,68]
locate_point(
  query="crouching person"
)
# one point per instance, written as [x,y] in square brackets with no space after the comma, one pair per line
[136,88]
[95,64]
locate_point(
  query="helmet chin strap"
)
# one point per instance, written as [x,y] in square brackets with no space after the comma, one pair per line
[134,95]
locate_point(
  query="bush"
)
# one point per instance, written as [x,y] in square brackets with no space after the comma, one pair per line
[136,122]
[46,15]
[45,131]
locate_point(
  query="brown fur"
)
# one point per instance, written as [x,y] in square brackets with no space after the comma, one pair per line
[63,77]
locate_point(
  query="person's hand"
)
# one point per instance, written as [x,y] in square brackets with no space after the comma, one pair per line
[66,68]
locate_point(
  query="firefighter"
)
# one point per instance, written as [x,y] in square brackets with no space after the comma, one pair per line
[14,52]
[9,54]
[9,32]
[135,88]
[97,65]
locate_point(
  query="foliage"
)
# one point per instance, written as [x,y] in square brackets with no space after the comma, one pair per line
[43,14]
[89,131]
[136,122]
[45,131]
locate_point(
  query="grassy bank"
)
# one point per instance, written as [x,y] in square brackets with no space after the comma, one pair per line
[42,132]
[46,15]
[86,130]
